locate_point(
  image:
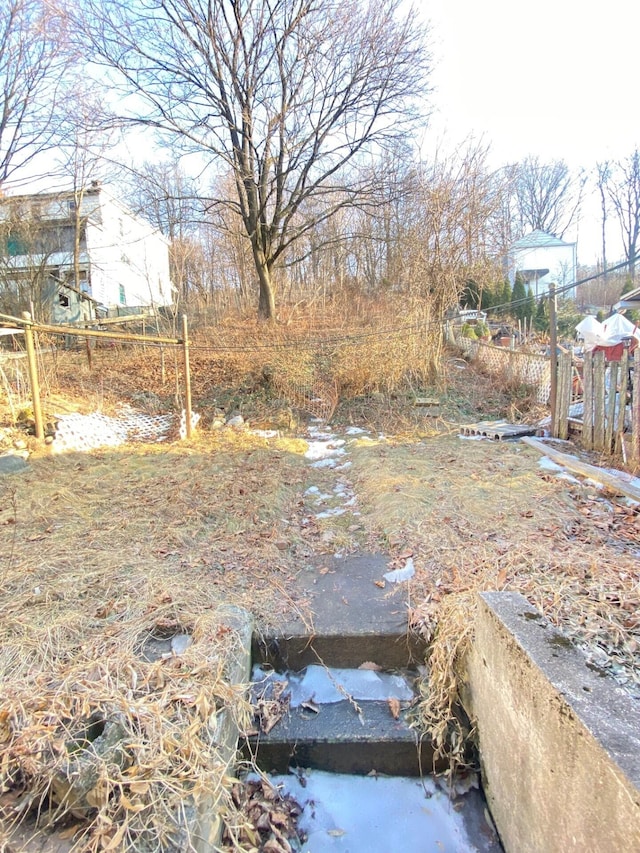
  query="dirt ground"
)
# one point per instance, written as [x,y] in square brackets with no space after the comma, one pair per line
[93,543]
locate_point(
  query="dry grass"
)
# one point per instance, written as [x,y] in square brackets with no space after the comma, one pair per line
[102,549]
[482,516]
[308,360]
[101,552]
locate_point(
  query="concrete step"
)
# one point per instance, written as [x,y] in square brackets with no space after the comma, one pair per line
[389,650]
[339,739]
[354,616]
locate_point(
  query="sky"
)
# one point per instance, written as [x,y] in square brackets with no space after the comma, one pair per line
[555,78]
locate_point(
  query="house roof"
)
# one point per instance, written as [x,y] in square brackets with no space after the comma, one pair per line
[538,239]
[629,300]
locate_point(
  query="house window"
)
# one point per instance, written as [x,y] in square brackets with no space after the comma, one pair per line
[72,207]
[16,245]
[123,300]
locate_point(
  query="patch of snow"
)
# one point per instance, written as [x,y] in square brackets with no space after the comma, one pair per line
[324,463]
[404,574]
[549,465]
[265,433]
[593,484]
[324,449]
[353,430]
[568,477]
[329,513]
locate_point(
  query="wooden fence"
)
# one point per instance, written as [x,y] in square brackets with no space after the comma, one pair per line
[596,401]
[511,365]
[610,418]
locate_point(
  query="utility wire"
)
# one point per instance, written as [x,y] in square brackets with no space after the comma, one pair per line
[560,290]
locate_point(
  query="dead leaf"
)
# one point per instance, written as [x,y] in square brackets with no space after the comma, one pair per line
[369,664]
[69,832]
[380,584]
[394,707]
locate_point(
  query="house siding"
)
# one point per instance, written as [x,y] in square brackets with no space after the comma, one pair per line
[124,260]
[556,257]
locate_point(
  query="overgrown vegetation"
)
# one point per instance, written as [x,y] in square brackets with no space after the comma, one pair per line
[107,548]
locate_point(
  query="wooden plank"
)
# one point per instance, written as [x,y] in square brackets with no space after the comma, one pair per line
[111,321]
[92,333]
[622,394]
[599,369]
[591,471]
[563,397]
[587,414]
[635,409]
[609,435]
[497,430]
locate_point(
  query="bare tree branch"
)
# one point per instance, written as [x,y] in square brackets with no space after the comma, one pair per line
[284,93]
[33,60]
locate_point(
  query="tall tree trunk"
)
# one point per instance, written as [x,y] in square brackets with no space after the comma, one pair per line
[267,301]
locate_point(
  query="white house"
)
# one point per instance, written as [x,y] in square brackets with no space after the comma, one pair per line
[542,259]
[87,241]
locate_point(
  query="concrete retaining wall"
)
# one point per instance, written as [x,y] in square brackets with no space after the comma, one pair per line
[559,742]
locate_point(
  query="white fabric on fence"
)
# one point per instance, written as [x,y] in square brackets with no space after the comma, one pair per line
[607,334]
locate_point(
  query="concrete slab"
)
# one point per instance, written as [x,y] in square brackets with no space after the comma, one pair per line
[352,619]
[559,742]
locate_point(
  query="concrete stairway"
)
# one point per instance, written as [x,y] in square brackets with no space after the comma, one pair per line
[354,621]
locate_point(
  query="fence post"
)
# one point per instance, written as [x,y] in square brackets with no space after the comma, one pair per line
[187,374]
[623,379]
[587,396]
[553,366]
[563,397]
[599,378]
[610,408]
[33,375]
[635,410]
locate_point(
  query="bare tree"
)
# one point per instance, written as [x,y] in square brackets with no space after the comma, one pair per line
[622,183]
[165,194]
[33,59]
[282,93]
[547,195]
[82,145]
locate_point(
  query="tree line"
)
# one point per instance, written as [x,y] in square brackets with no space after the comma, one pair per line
[286,132]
